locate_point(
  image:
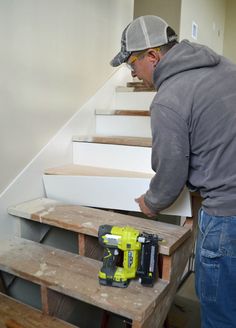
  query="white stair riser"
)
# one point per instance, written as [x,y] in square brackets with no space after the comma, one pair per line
[131,126]
[107,192]
[133,100]
[119,157]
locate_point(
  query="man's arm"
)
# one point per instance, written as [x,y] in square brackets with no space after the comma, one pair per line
[170,160]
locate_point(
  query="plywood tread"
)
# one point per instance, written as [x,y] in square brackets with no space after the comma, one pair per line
[18,315]
[123,112]
[116,140]
[83,170]
[76,276]
[87,221]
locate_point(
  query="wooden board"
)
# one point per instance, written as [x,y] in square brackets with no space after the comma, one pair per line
[116,140]
[76,276]
[123,112]
[87,221]
[86,170]
[139,86]
[14,314]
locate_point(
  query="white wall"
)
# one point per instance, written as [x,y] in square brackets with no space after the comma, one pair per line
[29,183]
[54,56]
[209,15]
[230,28]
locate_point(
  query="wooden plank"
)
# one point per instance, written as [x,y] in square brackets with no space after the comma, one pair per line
[134,89]
[14,314]
[56,304]
[121,140]
[2,285]
[139,86]
[84,170]
[76,276]
[123,112]
[166,267]
[44,299]
[86,221]
[82,243]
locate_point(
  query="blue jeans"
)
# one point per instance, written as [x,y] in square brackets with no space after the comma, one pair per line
[215,270]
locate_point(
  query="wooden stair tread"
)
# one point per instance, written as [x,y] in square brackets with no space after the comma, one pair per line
[12,311]
[84,170]
[116,140]
[87,221]
[76,276]
[140,84]
[132,89]
[123,112]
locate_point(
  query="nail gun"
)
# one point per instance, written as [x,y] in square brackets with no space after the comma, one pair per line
[139,252]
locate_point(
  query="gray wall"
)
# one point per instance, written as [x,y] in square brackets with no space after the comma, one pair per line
[169,10]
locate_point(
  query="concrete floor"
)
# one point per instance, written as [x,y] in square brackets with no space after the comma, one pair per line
[185,310]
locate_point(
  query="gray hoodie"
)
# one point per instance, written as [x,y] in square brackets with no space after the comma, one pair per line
[193,121]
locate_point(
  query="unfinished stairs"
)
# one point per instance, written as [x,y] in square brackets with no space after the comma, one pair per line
[108,171]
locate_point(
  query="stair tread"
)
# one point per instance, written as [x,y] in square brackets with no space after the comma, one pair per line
[117,140]
[137,84]
[124,112]
[87,221]
[134,89]
[12,311]
[76,276]
[86,170]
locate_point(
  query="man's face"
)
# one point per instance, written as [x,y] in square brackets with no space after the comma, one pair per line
[142,67]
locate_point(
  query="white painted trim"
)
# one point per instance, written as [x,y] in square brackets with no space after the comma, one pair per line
[108,192]
[130,126]
[118,157]
[134,100]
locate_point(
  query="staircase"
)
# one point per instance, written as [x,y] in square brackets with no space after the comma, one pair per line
[58,256]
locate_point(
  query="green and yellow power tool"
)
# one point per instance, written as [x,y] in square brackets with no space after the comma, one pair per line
[137,252]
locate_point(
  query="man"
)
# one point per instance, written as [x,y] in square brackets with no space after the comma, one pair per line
[193,122]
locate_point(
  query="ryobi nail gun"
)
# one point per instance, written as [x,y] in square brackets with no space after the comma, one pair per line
[139,256]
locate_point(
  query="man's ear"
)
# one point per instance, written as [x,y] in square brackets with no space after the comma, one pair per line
[154,56]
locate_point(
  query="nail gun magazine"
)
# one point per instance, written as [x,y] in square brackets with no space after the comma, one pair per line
[128,254]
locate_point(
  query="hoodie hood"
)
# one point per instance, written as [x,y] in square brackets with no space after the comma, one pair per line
[183,57]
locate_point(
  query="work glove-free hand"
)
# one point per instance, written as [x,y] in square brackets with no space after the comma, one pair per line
[144,208]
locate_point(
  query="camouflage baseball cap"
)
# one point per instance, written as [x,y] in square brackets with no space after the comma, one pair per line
[143,33]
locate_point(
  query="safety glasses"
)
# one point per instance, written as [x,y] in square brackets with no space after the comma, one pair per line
[133,58]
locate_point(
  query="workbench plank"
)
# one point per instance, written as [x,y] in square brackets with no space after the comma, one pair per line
[87,220]
[76,276]
[15,314]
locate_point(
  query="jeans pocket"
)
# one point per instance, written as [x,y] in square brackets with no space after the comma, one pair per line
[209,275]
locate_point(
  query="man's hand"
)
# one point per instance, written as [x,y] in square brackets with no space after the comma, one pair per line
[143,207]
